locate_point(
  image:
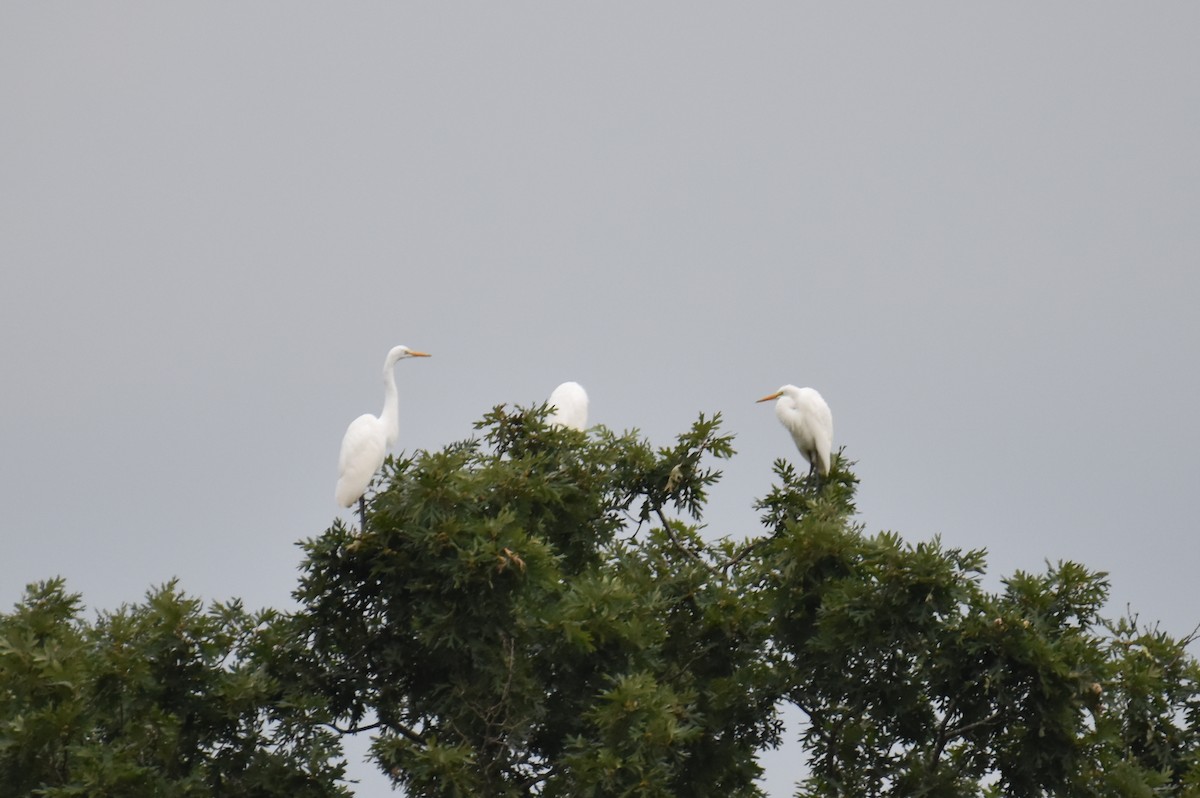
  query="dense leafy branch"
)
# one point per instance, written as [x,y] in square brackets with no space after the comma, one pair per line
[533,612]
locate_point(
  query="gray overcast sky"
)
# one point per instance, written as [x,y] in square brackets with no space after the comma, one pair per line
[974,228]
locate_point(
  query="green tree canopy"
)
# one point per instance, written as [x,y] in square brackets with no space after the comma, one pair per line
[156,699]
[534,612]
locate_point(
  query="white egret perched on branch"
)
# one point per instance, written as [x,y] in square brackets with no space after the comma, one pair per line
[807,418]
[368,438]
[568,406]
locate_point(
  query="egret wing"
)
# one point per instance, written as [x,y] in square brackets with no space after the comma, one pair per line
[363,451]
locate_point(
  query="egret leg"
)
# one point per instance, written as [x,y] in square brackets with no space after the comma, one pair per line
[362,513]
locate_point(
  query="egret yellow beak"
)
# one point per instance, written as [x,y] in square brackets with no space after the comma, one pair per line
[418,354]
[775,395]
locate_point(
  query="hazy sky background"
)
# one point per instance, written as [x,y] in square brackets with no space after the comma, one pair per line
[974,228]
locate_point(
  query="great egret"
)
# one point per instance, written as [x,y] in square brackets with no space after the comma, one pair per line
[807,418]
[568,406]
[368,438]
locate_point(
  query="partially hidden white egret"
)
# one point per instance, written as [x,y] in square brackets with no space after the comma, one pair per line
[807,417]
[568,406]
[368,439]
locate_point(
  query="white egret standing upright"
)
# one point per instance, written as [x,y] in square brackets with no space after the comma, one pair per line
[568,406]
[368,438]
[807,418]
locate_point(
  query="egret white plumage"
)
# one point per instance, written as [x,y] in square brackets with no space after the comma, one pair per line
[568,406]
[368,438]
[807,417]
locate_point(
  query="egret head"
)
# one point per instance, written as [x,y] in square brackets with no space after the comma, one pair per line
[399,352]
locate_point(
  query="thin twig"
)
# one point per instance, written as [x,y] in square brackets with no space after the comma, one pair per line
[741,555]
[686,549]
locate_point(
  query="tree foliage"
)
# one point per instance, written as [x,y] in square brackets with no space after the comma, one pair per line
[159,698]
[534,612]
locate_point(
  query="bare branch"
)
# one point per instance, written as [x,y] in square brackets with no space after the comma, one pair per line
[961,731]
[353,729]
[942,738]
[396,727]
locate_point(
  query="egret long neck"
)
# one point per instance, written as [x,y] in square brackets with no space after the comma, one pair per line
[391,404]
